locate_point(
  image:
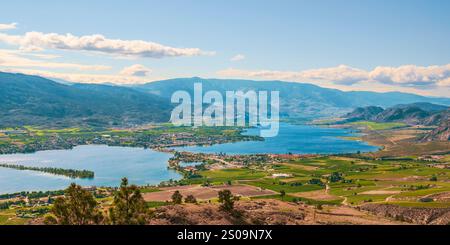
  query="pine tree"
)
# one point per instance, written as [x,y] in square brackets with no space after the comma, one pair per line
[177,198]
[129,206]
[77,207]
[227,200]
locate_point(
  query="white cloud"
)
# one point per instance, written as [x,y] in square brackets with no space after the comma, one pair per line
[341,74]
[11,58]
[10,26]
[136,70]
[35,41]
[405,76]
[237,57]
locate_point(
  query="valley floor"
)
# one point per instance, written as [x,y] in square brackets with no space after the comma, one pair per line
[405,182]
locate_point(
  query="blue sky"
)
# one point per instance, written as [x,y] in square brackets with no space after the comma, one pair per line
[350,45]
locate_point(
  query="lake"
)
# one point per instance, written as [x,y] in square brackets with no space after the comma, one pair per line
[110,164]
[301,139]
[146,166]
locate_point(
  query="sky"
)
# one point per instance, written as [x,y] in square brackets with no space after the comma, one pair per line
[345,44]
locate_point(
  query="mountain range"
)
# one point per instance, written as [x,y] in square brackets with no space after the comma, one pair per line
[33,100]
[297,100]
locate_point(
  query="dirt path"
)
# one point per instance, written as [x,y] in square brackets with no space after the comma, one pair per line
[344,201]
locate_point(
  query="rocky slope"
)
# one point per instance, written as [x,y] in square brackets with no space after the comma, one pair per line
[246,213]
[441,133]
[263,212]
[423,216]
[414,114]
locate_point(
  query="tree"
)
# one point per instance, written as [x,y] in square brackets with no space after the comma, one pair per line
[433,178]
[190,199]
[177,198]
[77,207]
[129,206]
[282,194]
[227,200]
[315,181]
[335,177]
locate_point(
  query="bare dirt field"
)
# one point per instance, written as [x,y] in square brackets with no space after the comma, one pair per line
[380,192]
[316,195]
[205,193]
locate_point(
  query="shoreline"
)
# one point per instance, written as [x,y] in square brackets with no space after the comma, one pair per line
[166,149]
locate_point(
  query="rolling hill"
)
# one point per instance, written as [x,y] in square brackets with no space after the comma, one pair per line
[33,100]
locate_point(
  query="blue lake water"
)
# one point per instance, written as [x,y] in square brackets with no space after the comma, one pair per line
[110,164]
[146,166]
[301,139]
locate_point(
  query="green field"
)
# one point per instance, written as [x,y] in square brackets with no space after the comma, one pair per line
[378,126]
[277,185]
[8,217]
[289,198]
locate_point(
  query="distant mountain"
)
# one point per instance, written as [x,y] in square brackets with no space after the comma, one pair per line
[298,100]
[415,113]
[33,100]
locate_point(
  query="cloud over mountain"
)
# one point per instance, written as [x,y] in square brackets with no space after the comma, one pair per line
[136,70]
[12,58]
[83,77]
[406,76]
